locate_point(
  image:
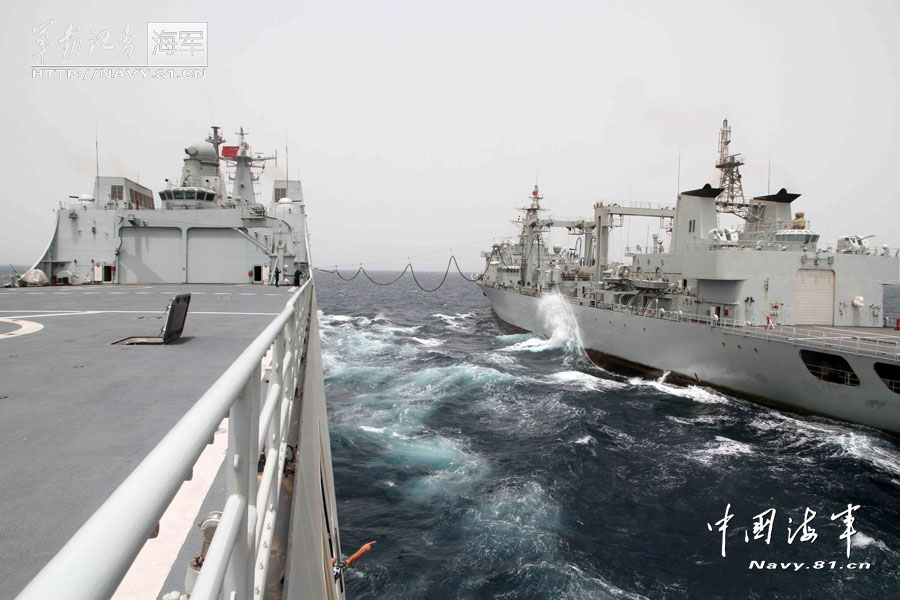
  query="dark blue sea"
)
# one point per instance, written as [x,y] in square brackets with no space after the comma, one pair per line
[490,465]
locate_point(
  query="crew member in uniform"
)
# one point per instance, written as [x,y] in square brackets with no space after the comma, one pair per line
[277,275]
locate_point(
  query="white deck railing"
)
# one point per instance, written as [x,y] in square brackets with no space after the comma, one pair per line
[92,564]
[876,345]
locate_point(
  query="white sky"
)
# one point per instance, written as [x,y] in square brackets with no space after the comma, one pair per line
[419,126]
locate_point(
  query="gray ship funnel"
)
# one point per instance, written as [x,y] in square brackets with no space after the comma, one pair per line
[707,191]
[782,196]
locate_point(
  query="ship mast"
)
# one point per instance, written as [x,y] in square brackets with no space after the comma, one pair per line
[732,197]
[530,238]
[245,162]
[732,200]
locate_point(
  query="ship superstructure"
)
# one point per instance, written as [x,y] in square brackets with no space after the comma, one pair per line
[766,310]
[197,232]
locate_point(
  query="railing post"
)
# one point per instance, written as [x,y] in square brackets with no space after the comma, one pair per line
[274,432]
[252,392]
[237,482]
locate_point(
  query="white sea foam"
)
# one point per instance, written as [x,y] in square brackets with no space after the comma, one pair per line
[722,447]
[584,440]
[516,520]
[861,540]
[514,338]
[557,318]
[585,381]
[527,414]
[372,429]
[454,467]
[704,419]
[520,523]
[501,360]
[454,321]
[329,319]
[694,392]
[837,438]
[868,449]
[437,379]
[428,342]
[396,329]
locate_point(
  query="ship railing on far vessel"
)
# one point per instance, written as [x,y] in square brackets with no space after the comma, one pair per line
[775,246]
[877,345]
[94,562]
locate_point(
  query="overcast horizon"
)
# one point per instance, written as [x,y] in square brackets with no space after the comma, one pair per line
[420,127]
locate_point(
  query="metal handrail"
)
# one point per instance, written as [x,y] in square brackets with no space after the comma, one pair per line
[811,338]
[93,562]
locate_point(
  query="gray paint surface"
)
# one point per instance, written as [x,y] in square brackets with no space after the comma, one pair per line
[79,413]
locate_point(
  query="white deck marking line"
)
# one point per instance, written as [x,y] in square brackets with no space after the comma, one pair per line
[149,571]
[21,313]
[196,312]
[25,327]
[38,311]
[55,314]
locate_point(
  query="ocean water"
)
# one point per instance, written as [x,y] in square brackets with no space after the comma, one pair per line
[495,465]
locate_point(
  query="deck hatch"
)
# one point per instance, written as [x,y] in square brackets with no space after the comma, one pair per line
[173,326]
[890,375]
[829,367]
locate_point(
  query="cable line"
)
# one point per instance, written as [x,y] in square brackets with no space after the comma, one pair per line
[408,267]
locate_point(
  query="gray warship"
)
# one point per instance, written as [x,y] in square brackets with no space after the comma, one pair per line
[192,464]
[765,311]
[199,233]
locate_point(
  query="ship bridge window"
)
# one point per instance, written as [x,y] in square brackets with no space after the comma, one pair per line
[890,375]
[178,194]
[829,367]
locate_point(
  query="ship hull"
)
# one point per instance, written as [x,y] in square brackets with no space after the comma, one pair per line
[766,371]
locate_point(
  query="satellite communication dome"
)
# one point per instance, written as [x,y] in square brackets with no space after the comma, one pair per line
[285,201]
[203,151]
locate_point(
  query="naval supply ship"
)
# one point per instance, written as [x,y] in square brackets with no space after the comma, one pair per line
[764,311]
[165,439]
